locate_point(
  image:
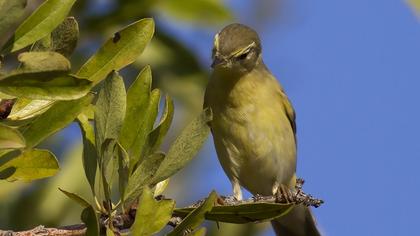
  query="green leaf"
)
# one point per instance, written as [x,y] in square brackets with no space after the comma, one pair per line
[64,38]
[26,108]
[109,232]
[89,150]
[10,138]
[42,21]
[109,160]
[43,86]
[136,150]
[185,147]
[54,119]
[242,213]
[30,165]
[43,62]
[123,170]
[202,11]
[142,176]
[109,110]
[156,137]
[10,13]
[118,52]
[80,200]
[90,218]
[199,232]
[195,217]
[138,96]
[151,215]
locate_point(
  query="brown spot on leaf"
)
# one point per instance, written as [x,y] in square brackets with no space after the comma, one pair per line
[117,37]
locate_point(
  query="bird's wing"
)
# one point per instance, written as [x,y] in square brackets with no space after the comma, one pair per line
[290,112]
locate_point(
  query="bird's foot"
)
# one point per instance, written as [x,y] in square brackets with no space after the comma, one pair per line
[284,195]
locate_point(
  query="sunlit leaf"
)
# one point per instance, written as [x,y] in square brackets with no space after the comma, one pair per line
[110,110]
[43,86]
[30,165]
[90,218]
[161,186]
[202,11]
[195,217]
[242,213]
[42,21]
[136,150]
[10,138]
[43,62]
[10,13]
[185,147]
[118,52]
[142,176]
[138,95]
[26,108]
[54,119]
[75,197]
[151,215]
[89,156]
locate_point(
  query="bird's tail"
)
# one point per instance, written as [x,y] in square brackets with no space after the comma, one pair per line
[298,222]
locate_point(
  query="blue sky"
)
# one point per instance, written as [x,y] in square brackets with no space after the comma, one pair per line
[352,71]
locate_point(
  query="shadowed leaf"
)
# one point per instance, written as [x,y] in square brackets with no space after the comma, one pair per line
[10,138]
[64,38]
[90,218]
[89,155]
[151,215]
[81,201]
[42,21]
[119,51]
[156,137]
[31,165]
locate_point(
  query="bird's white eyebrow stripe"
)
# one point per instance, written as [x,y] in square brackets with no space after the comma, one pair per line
[216,42]
[241,51]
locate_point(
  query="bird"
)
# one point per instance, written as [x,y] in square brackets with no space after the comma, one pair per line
[254,125]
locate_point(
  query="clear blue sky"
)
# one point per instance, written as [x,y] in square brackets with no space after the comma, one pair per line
[352,71]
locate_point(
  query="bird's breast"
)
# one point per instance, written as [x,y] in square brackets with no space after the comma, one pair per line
[253,137]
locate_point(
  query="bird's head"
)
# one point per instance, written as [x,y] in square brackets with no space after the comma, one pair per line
[236,47]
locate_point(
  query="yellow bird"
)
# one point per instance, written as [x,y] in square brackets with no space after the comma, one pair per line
[253,124]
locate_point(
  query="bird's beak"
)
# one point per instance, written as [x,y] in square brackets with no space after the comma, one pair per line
[217,61]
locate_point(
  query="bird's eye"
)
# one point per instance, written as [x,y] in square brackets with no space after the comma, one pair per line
[243,56]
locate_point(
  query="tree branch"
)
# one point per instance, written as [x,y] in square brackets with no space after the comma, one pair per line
[123,222]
